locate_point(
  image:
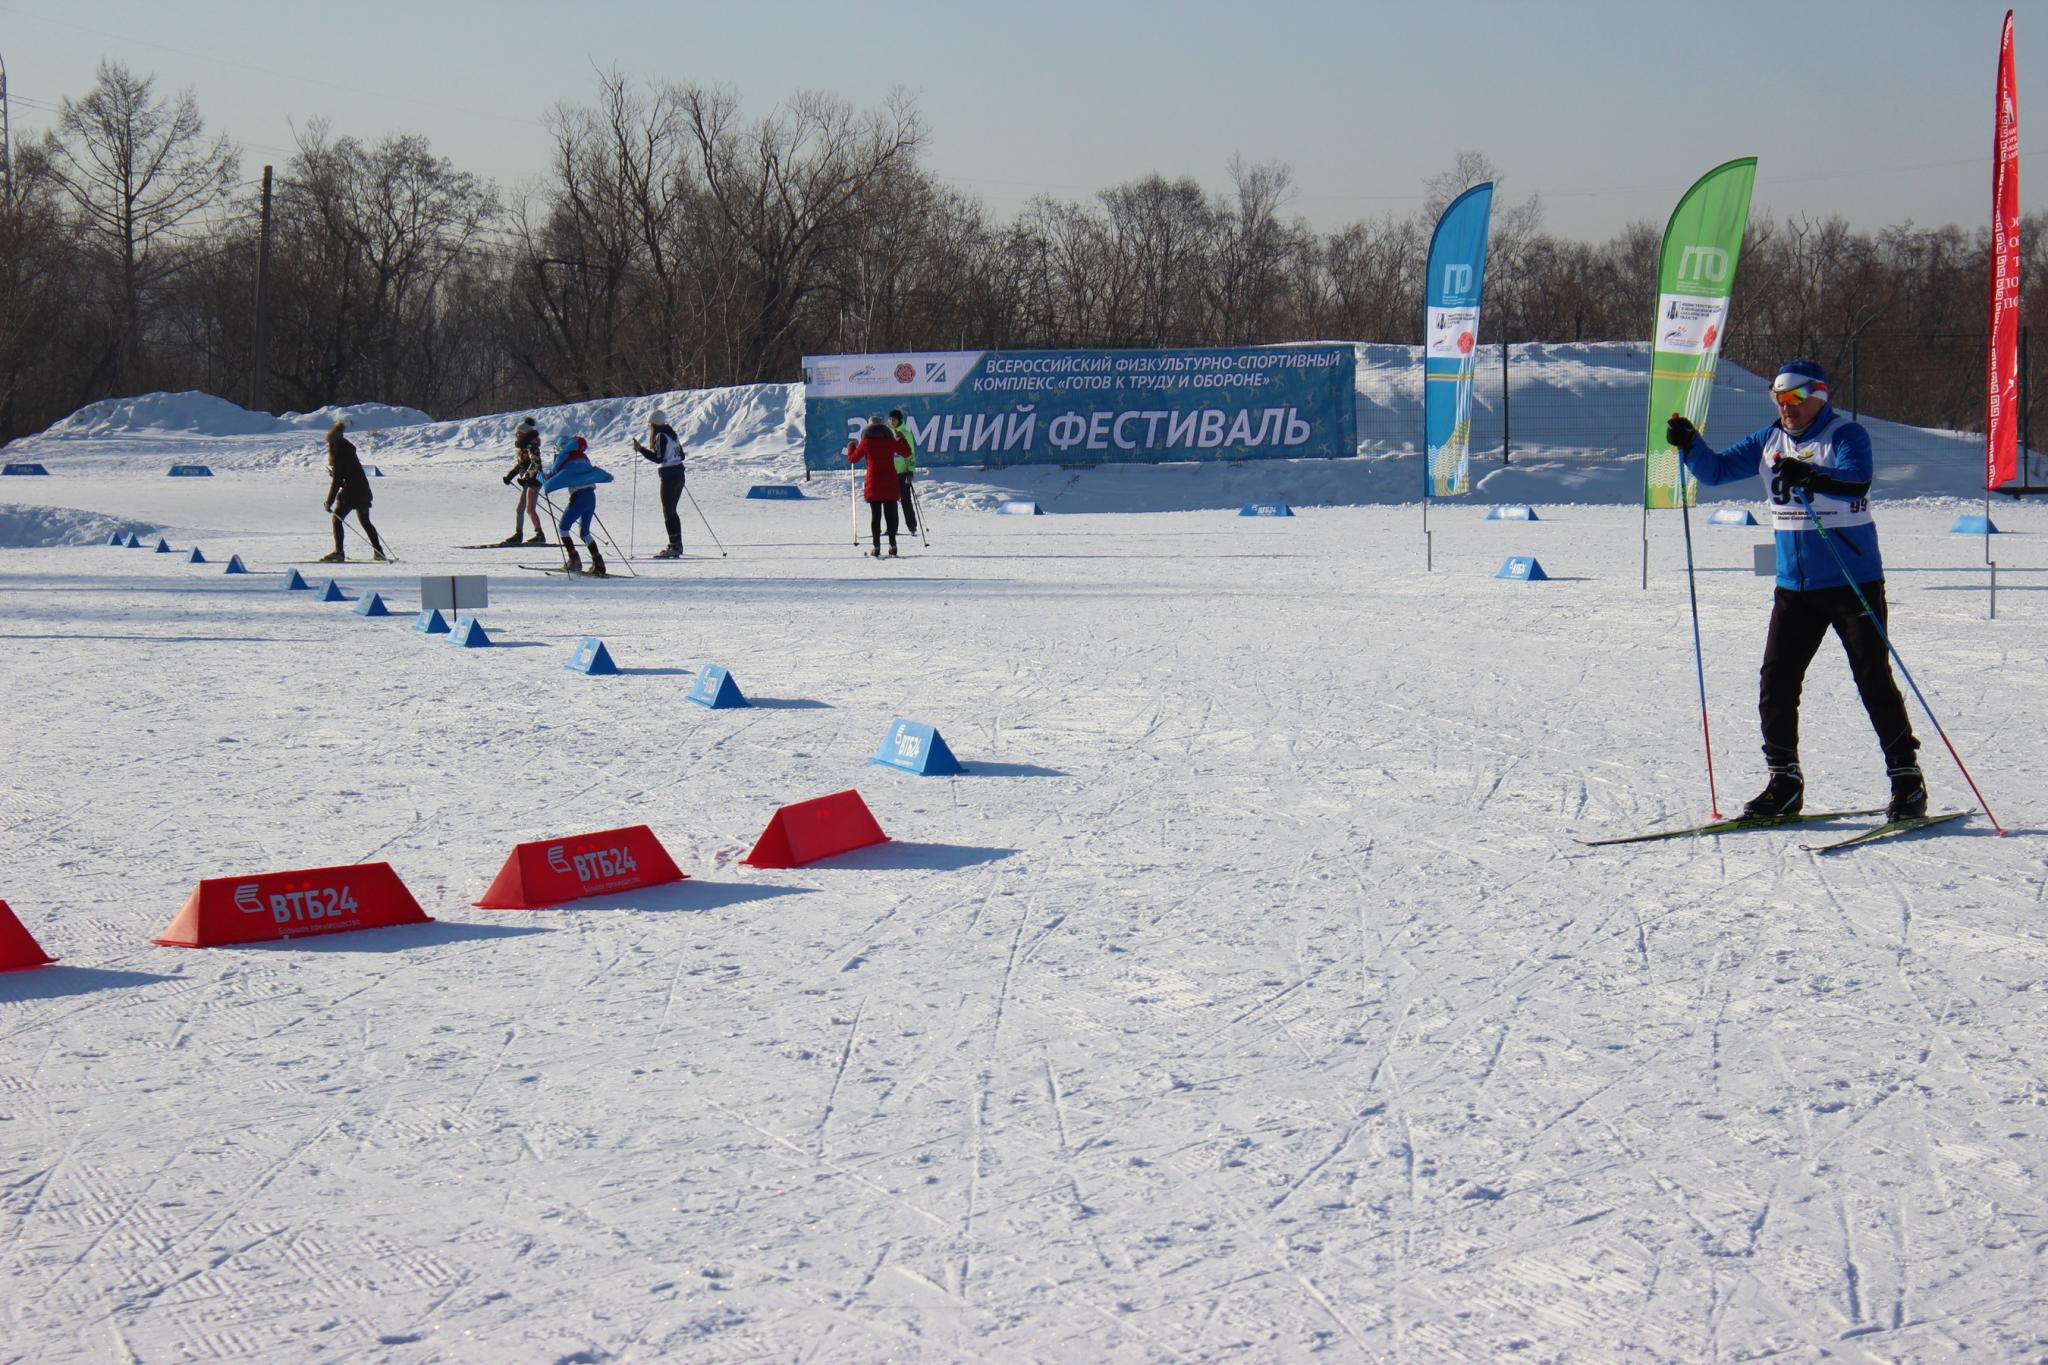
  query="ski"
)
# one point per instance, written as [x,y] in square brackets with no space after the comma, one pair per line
[331,563]
[560,569]
[1891,829]
[1734,826]
[501,545]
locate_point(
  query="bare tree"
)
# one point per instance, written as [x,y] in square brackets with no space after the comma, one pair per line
[786,191]
[141,174]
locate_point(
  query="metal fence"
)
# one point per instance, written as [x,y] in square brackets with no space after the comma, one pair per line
[1932,382]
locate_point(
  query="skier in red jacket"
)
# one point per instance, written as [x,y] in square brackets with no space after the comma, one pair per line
[880,447]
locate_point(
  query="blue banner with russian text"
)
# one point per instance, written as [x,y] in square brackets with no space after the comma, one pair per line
[972,408]
[1457,277]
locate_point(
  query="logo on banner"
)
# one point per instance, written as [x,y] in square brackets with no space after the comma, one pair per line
[248,899]
[935,372]
[1457,280]
[864,372]
[1703,265]
[557,860]
[1692,326]
[905,372]
[1453,332]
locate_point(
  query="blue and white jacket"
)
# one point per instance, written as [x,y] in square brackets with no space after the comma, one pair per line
[1839,450]
[572,470]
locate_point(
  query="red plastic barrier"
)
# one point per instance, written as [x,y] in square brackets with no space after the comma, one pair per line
[819,828]
[556,872]
[18,947]
[278,905]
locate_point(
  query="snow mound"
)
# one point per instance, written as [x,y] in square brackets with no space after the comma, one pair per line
[749,425]
[198,414]
[36,528]
[361,417]
[204,414]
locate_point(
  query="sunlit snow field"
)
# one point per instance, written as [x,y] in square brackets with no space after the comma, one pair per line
[1249,996]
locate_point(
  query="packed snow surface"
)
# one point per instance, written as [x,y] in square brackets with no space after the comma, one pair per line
[1249,997]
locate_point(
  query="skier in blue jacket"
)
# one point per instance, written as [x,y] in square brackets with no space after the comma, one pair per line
[572,471]
[1818,465]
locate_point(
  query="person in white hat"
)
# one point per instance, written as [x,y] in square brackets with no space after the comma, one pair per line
[666,451]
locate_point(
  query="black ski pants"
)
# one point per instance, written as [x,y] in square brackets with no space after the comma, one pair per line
[671,496]
[362,511]
[1799,622]
[876,512]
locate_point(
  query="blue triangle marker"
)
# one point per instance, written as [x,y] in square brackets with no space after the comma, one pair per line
[431,622]
[193,556]
[591,657]
[117,540]
[330,591]
[372,605]
[1512,511]
[134,541]
[163,547]
[1973,524]
[716,690]
[294,583]
[235,565]
[1522,568]
[1266,509]
[469,634]
[913,747]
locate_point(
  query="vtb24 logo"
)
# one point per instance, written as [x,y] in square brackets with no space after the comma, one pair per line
[297,907]
[598,865]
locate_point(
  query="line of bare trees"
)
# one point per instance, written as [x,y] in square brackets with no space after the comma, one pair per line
[677,241]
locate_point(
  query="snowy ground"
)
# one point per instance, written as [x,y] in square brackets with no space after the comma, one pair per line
[1249,997]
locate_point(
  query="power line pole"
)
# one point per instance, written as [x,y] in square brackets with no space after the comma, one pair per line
[262,280]
[6,142]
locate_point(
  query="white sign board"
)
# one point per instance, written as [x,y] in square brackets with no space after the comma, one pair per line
[455,592]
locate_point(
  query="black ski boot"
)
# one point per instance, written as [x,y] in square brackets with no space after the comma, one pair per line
[1909,794]
[596,560]
[337,557]
[1783,795]
[892,549]
[575,564]
[537,538]
[673,550]
[518,537]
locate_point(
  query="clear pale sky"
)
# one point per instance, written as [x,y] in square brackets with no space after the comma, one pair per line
[1879,111]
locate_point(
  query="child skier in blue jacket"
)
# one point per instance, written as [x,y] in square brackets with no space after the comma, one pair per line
[572,472]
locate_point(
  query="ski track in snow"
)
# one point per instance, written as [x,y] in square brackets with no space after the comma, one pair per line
[1251,999]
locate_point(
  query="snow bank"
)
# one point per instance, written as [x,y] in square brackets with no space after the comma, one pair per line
[35,528]
[203,414]
[1576,413]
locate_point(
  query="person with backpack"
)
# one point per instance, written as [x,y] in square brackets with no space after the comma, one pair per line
[574,474]
[348,490]
[665,449]
[525,470]
[906,466]
[879,447]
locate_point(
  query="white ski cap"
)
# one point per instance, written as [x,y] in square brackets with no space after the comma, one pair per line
[657,418]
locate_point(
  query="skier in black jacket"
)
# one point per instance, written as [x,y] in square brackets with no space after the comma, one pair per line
[348,490]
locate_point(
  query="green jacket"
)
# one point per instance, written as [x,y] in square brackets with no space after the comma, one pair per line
[906,464]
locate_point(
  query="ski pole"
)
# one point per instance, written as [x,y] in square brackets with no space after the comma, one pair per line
[390,554]
[706,520]
[633,531]
[853,504]
[606,532]
[1806,498]
[917,506]
[1699,663]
